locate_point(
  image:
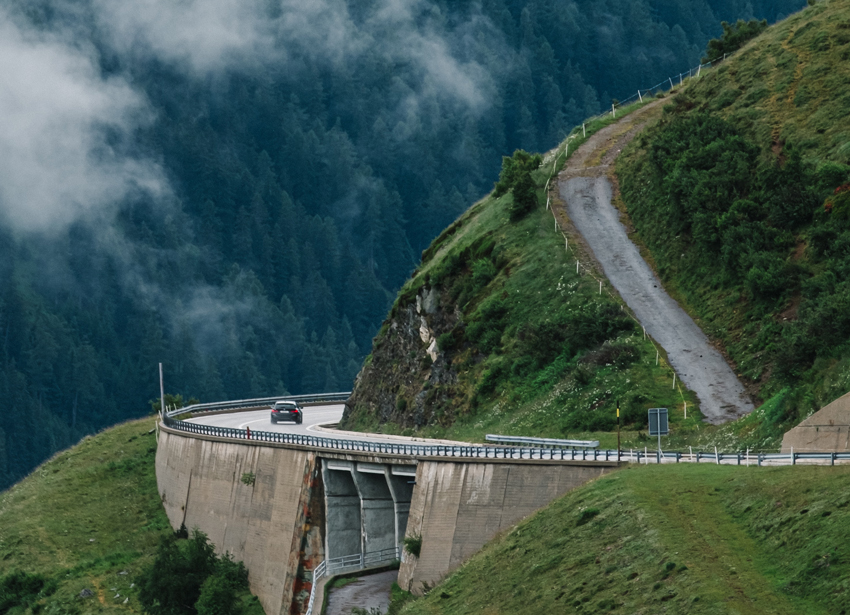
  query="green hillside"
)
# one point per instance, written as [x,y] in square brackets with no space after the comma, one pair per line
[526,344]
[672,539]
[739,193]
[91,519]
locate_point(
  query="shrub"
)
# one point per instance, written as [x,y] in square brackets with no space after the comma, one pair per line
[837,205]
[413,544]
[22,589]
[483,272]
[733,38]
[520,164]
[768,277]
[525,196]
[586,515]
[612,353]
[177,580]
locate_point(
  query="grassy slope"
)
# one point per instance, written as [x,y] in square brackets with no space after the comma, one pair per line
[671,539]
[537,280]
[786,89]
[84,517]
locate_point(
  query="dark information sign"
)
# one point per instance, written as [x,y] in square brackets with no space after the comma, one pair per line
[658,422]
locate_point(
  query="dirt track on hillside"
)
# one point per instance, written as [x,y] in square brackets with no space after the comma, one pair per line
[585,187]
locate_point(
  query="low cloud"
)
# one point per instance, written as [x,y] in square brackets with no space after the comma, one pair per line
[65,134]
[208,36]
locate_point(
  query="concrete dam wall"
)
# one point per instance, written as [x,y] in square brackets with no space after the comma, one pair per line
[458,507]
[283,508]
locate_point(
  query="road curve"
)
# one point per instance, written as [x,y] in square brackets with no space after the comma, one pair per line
[587,192]
[314,417]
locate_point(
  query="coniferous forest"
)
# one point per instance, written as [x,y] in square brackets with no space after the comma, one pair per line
[237,188]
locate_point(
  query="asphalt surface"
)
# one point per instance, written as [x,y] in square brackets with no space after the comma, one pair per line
[367,592]
[587,193]
[314,418]
[260,420]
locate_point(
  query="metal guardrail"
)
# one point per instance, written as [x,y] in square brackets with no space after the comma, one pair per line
[477,451]
[473,451]
[545,442]
[737,458]
[261,402]
[358,561]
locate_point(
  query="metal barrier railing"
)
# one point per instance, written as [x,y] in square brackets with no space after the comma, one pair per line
[546,442]
[479,451]
[357,561]
[474,451]
[261,402]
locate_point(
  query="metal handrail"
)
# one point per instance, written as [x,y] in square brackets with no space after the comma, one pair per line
[497,452]
[391,448]
[541,441]
[261,402]
[357,561]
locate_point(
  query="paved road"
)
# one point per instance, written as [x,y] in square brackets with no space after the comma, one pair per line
[587,193]
[367,592]
[314,416]
[259,420]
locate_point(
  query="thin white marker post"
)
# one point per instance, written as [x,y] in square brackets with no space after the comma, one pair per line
[716,456]
[576,267]
[646,455]
[567,244]
[671,82]
[680,78]
[691,450]
[656,357]
[583,131]
[161,394]
[600,287]
[613,110]
[748,457]
[644,333]
[686,409]
[698,70]
[674,380]
[639,96]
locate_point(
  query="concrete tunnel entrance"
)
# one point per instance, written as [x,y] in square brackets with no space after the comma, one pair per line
[367,505]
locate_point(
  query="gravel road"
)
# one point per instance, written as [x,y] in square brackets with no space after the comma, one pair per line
[587,192]
[368,592]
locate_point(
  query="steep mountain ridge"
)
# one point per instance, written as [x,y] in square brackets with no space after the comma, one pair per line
[739,192]
[501,329]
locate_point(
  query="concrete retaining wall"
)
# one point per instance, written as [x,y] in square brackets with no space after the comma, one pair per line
[261,524]
[458,507]
[826,431]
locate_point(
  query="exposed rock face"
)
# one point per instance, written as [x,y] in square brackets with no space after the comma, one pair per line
[400,382]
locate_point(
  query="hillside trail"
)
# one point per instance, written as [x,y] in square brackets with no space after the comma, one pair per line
[586,188]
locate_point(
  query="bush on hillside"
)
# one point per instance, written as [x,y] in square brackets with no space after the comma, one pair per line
[187,578]
[22,590]
[514,168]
[525,196]
[733,38]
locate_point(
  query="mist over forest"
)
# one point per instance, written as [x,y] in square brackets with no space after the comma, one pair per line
[237,188]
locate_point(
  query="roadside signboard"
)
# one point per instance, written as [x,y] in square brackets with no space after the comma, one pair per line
[658,425]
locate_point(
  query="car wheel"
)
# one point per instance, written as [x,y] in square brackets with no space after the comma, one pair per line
[274,422]
[300,419]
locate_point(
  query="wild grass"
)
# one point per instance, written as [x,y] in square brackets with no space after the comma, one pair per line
[89,518]
[672,539]
[785,92]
